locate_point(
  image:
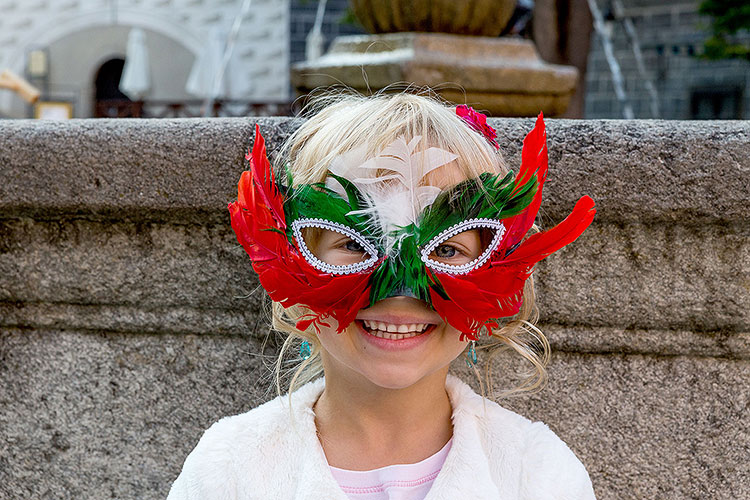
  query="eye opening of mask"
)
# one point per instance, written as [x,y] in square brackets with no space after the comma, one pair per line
[325,225]
[498,230]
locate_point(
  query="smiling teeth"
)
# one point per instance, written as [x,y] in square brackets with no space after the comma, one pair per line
[395,332]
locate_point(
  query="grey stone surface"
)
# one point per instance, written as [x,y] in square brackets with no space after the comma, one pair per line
[187,169]
[130,319]
[645,427]
[145,265]
[89,415]
[182,170]
[657,275]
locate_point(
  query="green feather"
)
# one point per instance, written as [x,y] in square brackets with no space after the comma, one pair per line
[490,196]
[404,271]
[355,197]
[316,201]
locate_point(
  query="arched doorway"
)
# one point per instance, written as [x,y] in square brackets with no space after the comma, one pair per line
[80,42]
[109,101]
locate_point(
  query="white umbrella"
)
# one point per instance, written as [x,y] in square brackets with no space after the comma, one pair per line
[136,75]
[207,66]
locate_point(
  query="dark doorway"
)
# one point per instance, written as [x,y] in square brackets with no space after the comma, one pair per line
[109,102]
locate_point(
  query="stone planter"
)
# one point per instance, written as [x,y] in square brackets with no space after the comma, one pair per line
[476,17]
[501,76]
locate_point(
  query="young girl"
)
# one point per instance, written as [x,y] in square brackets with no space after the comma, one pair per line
[397,239]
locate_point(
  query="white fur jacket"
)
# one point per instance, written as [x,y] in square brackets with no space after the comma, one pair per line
[268,453]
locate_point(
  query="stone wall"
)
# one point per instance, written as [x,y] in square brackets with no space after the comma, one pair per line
[130,319]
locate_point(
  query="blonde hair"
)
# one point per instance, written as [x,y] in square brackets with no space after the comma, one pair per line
[342,122]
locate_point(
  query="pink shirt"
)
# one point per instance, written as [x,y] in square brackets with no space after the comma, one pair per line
[394,482]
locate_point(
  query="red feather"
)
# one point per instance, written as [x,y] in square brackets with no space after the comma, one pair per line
[534,160]
[262,173]
[540,245]
[258,221]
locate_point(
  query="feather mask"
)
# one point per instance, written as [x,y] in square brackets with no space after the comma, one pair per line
[392,230]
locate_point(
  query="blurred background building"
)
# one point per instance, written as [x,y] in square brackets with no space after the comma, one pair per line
[159,58]
[75,51]
[671,34]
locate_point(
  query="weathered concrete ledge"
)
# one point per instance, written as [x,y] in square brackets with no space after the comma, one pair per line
[186,169]
[130,319]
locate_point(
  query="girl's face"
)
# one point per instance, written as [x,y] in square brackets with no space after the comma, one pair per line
[398,340]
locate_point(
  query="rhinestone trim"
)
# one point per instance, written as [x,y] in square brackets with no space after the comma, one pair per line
[300,224]
[453,231]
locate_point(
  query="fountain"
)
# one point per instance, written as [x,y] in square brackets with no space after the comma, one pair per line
[452,47]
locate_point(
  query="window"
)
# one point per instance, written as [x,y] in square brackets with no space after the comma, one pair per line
[716,103]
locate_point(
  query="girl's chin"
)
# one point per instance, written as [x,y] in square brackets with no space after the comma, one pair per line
[399,377]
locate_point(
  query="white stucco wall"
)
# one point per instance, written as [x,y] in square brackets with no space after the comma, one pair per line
[82,34]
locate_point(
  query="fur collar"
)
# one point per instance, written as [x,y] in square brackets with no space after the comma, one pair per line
[272,452]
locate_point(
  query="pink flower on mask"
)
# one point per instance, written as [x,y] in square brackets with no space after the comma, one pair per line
[478,122]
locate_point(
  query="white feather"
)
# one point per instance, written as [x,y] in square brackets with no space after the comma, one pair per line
[346,165]
[393,183]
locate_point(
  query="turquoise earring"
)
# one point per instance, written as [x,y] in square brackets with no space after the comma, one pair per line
[304,350]
[471,355]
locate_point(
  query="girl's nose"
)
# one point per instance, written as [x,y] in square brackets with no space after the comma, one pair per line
[402,291]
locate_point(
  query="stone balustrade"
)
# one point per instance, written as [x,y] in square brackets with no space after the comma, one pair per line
[130,319]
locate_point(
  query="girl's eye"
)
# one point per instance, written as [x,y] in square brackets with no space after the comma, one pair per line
[354,246]
[445,252]
[461,248]
[464,246]
[335,248]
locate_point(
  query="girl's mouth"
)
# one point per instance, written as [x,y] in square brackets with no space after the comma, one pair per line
[390,331]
